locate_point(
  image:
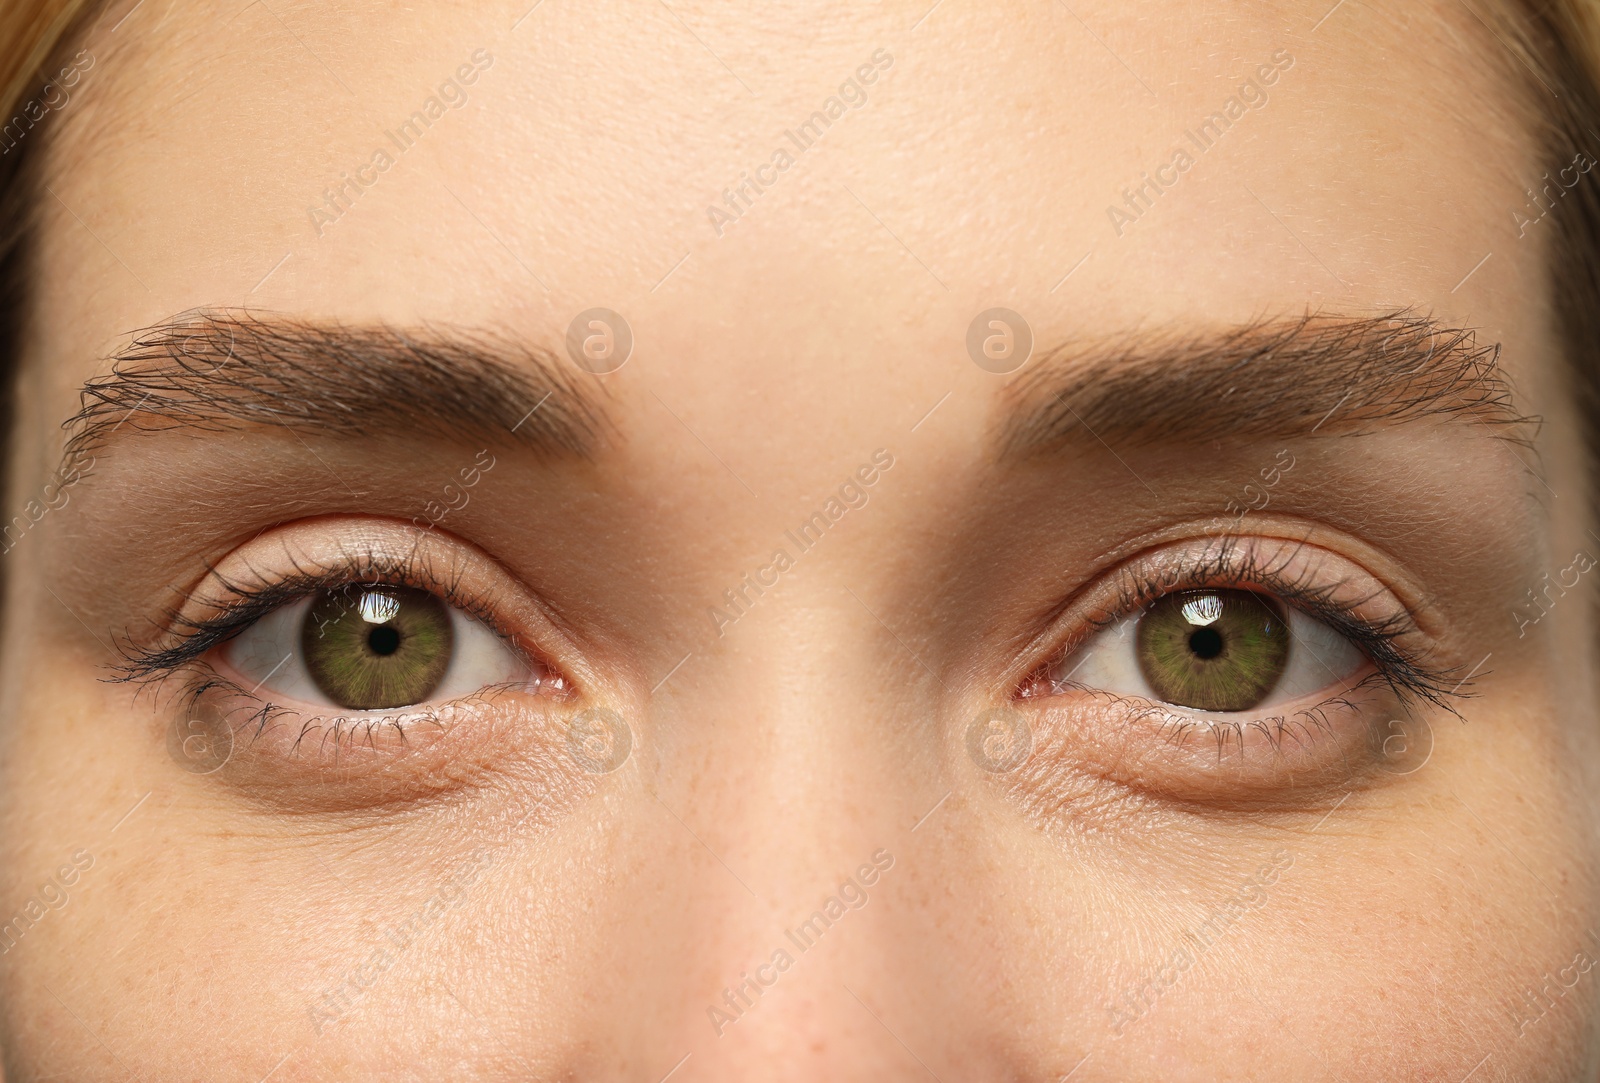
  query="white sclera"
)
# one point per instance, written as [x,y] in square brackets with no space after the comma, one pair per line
[267,656]
[1319,658]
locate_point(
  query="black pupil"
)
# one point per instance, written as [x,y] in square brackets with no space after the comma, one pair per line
[1206,642]
[384,640]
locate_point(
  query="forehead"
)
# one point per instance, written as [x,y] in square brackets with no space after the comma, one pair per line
[818,185]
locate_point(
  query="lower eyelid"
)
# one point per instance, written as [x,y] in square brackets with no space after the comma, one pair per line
[333,761]
[1153,748]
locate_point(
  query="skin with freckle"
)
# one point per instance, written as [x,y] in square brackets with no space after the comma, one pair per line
[593,875]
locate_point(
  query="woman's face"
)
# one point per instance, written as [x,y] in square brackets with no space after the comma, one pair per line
[574,579]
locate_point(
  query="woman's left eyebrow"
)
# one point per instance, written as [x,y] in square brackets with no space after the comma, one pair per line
[222,371]
[1271,379]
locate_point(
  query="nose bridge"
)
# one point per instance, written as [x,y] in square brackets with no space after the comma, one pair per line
[784,770]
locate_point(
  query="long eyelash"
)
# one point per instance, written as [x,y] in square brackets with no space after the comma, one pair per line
[239,604]
[1410,676]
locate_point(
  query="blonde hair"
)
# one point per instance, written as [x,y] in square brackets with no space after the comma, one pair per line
[30,31]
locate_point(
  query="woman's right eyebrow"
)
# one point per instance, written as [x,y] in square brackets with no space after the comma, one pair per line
[220,371]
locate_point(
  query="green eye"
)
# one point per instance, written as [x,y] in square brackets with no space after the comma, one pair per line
[371,648]
[1213,650]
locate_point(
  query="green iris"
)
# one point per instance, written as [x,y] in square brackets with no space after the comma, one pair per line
[369,648]
[1213,650]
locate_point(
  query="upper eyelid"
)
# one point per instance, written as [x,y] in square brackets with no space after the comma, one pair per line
[1233,560]
[1313,594]
[1312,601]
[1221,566]
[234,605]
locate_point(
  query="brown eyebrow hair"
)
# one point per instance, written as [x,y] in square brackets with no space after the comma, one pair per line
[215,371]
[1266,379]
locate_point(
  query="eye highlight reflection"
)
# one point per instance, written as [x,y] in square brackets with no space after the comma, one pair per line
[1212,650]
[365,647]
